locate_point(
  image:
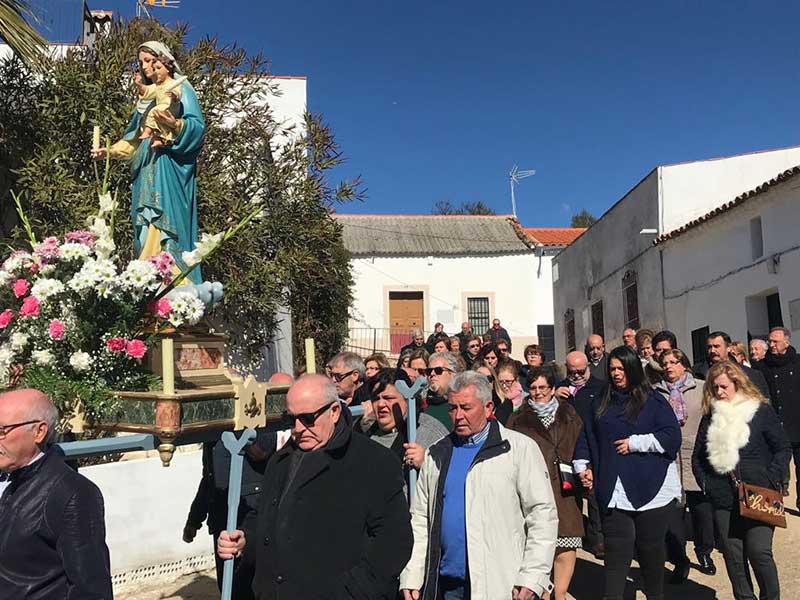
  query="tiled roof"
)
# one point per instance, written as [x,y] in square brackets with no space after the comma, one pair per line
[432,235]
[554,236]
[741,199]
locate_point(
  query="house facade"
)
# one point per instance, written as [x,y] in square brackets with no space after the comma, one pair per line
[612,276]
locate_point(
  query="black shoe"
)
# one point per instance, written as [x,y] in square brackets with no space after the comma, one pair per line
[706,565]
[680,574]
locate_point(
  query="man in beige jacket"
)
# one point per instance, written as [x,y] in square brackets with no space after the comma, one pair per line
[484,518]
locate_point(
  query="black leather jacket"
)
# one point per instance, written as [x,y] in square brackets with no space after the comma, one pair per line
[52,535]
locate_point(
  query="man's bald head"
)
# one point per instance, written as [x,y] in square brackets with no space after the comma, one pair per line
[309,396]
[29,419]
[595,347]
[577,368]
[281,379]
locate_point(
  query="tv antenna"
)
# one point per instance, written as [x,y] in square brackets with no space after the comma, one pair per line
[514,176]
[143,6]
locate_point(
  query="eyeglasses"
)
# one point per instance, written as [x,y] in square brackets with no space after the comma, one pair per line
[437,370]
[473,346]
[576,373]
[308,419]
[539,388]
[506,381]
[338,377]
[6,429]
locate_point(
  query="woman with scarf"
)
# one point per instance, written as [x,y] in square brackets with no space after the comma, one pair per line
[685,395]
[740,435]
[164,179]
[555,427]
[627,452]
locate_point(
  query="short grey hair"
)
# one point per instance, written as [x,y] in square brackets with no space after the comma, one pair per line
[761,343]
[329,393]
[351,362]
[462,381]
[417,333]
[786,333]
[48,413]
[449,358]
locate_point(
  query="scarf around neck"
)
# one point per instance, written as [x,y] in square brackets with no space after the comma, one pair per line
[544,409]
[676,399]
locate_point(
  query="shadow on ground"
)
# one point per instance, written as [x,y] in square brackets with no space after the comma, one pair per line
[587,584]
[200,588]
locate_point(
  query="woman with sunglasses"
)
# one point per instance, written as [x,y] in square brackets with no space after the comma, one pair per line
[555,427]
[417,364]
[636,437]
[391,428]
[472,350]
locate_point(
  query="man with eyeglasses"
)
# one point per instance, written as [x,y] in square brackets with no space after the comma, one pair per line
[347,372]
[441,368]
[52,528]
[580,389]
[496,333]
[333,520]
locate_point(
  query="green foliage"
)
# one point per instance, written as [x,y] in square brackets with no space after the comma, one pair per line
[445,207]
[583,219]
[293,255]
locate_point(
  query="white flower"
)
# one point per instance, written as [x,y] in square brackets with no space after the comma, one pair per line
[186,308]
[191,258]
[104,247]
[207,243]
[74,251]
[45,288]
[139,275]
[16,261]
[19,340]
[80,361]
[47,269]
[6,356]
[106,204]
[5,276]
[80,281]
[42,357]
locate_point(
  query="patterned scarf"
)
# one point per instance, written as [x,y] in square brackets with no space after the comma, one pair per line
[676,399]
[515,394]
[544,409]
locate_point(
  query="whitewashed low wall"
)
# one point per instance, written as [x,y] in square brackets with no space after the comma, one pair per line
[146,508]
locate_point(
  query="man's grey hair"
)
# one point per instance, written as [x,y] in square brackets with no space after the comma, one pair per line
[760,342]
[449,358]
[351,362]
[47,412]
[462,381]
[417,333]
[786,333]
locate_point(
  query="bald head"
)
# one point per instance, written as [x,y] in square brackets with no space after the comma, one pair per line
[595,347]
[577,368]
[313,403]
[281,379]
[32,419]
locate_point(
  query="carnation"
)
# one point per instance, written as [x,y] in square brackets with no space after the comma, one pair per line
[116,344]
[42,357]
[135,348]
[5,318]
[80,361]
[30,307]
[161,308]
[20,287]
[6,355]
[56,329]
[19,340]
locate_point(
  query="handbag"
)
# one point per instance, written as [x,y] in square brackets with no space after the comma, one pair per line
[759,503]
[570,486]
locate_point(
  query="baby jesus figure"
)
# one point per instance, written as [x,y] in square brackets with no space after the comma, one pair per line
[166,91]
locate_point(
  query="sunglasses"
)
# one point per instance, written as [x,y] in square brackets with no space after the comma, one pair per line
[308,419]
[338,377]
[437,370]
[575,373]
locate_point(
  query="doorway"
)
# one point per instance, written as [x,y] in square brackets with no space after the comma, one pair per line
[406,313]
[763,313]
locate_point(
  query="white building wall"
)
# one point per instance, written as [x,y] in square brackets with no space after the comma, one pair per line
[592,267]
[519,295]
[690,190]
[711,277]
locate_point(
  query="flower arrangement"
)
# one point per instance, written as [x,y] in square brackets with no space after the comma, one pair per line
[76,321]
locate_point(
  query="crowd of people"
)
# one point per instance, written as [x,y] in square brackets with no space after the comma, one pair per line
[626,453]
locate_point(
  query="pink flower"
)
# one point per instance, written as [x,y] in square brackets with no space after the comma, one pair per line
[56,329]
[21,287]
[5,318]
[30,307]
[161,308]
[116,344]
[135,348]
[163,262]
[48,248]
[86,238]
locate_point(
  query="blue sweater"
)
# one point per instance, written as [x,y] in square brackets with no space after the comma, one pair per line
[454,524]
[641,473]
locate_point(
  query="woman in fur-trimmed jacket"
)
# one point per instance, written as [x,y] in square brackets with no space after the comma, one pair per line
[740,433]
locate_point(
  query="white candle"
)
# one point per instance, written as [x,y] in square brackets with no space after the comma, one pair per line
[95,137]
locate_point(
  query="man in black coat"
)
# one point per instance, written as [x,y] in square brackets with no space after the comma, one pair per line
[596,353]
[496,333]
[333,520]
[781,367]
[717,346]
[581,389]
[52,524]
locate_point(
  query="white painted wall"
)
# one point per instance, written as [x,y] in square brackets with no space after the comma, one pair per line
[709,272]
[690,190]
[146,508]
[519,296]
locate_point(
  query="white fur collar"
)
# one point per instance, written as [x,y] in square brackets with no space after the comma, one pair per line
[729,431]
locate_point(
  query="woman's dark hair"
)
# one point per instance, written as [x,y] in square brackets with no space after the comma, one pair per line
[487,349]
[638,387]
[533,349]
[386,377]
[420,353]
[546,372]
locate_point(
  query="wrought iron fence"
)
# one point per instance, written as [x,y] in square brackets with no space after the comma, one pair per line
[369,340]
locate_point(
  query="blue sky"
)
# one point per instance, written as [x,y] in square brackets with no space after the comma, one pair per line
[437,100]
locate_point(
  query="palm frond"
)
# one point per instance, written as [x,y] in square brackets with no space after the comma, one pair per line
[19,34]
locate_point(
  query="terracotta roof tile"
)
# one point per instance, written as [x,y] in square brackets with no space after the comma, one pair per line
[554,236]
[741,199]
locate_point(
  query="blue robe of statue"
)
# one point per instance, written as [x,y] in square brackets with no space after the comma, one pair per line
[164,189]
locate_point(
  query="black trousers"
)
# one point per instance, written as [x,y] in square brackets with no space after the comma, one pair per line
[748,541]
[676,536]
[702,522]
[642,532]
[592,523]
[796,457]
